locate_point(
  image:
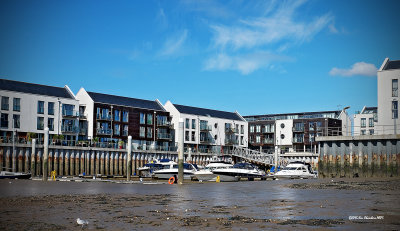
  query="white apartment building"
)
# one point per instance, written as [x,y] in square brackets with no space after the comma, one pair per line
[364,122]
[29,108]
[388,98]
[207,130]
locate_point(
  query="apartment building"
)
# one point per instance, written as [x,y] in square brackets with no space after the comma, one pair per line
[28,108]
[365,120]
[208,130]
[295,132]
[114,118]
[388,98]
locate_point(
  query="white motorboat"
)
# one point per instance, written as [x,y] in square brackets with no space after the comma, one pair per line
[238,171]
[171,170]
[206,174]
[296,170]
[14,175]
[148,169]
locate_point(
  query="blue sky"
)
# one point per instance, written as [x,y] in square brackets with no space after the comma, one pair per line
[256,57]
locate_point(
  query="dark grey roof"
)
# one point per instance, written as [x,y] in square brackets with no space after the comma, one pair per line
[395,64]
[207,112]
[300,115]
[11,85]
[125,101]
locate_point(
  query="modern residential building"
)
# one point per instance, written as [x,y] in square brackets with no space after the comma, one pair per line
[388,98]
[207,130]
[28,108]
[113,118]
[295,132]
[364,121]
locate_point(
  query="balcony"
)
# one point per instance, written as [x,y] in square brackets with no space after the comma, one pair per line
[82,116]
[106,117]
[70,113]
[231,142]
[82,131]
[268,131]
[69,129]
[163,123]
[298,140]
[230,130]
[298,129]
[268,141]
[206,141]
[101,131]
[205,128]
[164,136]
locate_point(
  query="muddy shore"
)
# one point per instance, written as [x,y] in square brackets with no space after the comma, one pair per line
[310,205]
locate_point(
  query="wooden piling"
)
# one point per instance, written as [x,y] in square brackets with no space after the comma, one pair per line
[121,164]
[82,162]
[97,162]
[33,158]
[45,153]
[72,163]
[39,162]
[92,163]
[112,163]
[61,162]
[77,163]
[8,157]
[55,162]
[1,156]
[102,163]
[107,163]
[27,159]
[20,160]
[66,163]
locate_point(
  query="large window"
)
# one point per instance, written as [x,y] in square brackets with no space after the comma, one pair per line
[117,129]
[395,111]
[363,122]
[17,104]
[187,124]
[125,131]
[186,135]
[50,124]
[142,119]
[251,128]
[40,107]
[117,115]
[258,129]
[371,122]
[68,109]
[4,103]
[142,132]
[193,136]
[50,108]
[395,88]
[149,132]
[124,116]
[242,129]
[4,120]
[40,123]
[193,124]
[149,118]
[258,138]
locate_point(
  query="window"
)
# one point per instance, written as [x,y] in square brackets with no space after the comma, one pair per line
[142,131]
[50,124]
[149,132]
[282,125]
[395,112]
[241,140]
[142,119]
[193,136]
[125,131]
[311,126]
[371,131]
[193,124]
[186,135]
[117,115]
[251,128]
[149,119]
[237,128]
[117,128]
[50,109]
[124,116]
[251,139]
[258,128]
[17,104]
[298,127]
[68,110]
[216,125]
[162,120]
[395,87]
[242,129]
[4,103]
[363,122]
[371,122]
[282,136]
[4,120]
[187,124]
[40,123]
[312,137]
[363,132]
[258,139]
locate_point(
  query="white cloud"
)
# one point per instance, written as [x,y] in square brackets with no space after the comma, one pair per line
[333,29]
[360,68]
[269,29]
[174,44]
[245,64]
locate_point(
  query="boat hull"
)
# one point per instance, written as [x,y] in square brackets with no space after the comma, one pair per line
[14,175]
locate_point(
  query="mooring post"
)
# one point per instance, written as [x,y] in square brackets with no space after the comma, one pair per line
[276,159]
[45,153]
[180,153]
[129,162]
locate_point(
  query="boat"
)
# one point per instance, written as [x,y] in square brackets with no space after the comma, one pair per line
[296,170]
[14,175]
[148,169]
[206,174]
[171,170]
[238,171]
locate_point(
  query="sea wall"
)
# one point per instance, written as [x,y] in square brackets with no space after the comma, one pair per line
[359,156]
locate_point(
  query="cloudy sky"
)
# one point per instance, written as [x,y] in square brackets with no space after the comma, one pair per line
[256,57]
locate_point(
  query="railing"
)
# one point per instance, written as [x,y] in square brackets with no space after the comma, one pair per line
[267,130]
[100,131]
[206,141]
[298,140]
[360,131]
[205,127]
[268,141]
[253,155]
[164,136]
[82,115]
[69,129]
[230,130]
[82,131]
[162,123]
[5,107]
[231,142]
[298,129]
[104,117]
[70,113]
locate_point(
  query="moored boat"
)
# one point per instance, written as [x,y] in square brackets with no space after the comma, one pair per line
[238,171]
[296,170]
[148,169]
[207,174]
[171,170]
[14,175]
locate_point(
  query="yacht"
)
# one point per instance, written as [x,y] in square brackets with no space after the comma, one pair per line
[172,170]
[238,171]
[206,174]
[148,169]
[296,170]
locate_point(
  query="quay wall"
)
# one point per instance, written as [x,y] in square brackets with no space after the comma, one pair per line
[74,161]
[359,156]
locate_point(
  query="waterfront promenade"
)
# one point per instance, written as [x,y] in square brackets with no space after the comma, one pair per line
[344,204]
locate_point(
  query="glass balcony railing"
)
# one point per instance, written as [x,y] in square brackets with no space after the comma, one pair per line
[162,123]
[69,129]
[102,131]
[164,136]
[70,113]
[104,117]
[230,130]
[268,141]
[205,127]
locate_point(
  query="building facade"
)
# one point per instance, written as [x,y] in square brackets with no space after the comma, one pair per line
[294,132]
[207,130]
[388,98]
[364,121]
[113,118]
[28,108]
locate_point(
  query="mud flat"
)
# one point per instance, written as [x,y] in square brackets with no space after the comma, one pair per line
[280,205]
